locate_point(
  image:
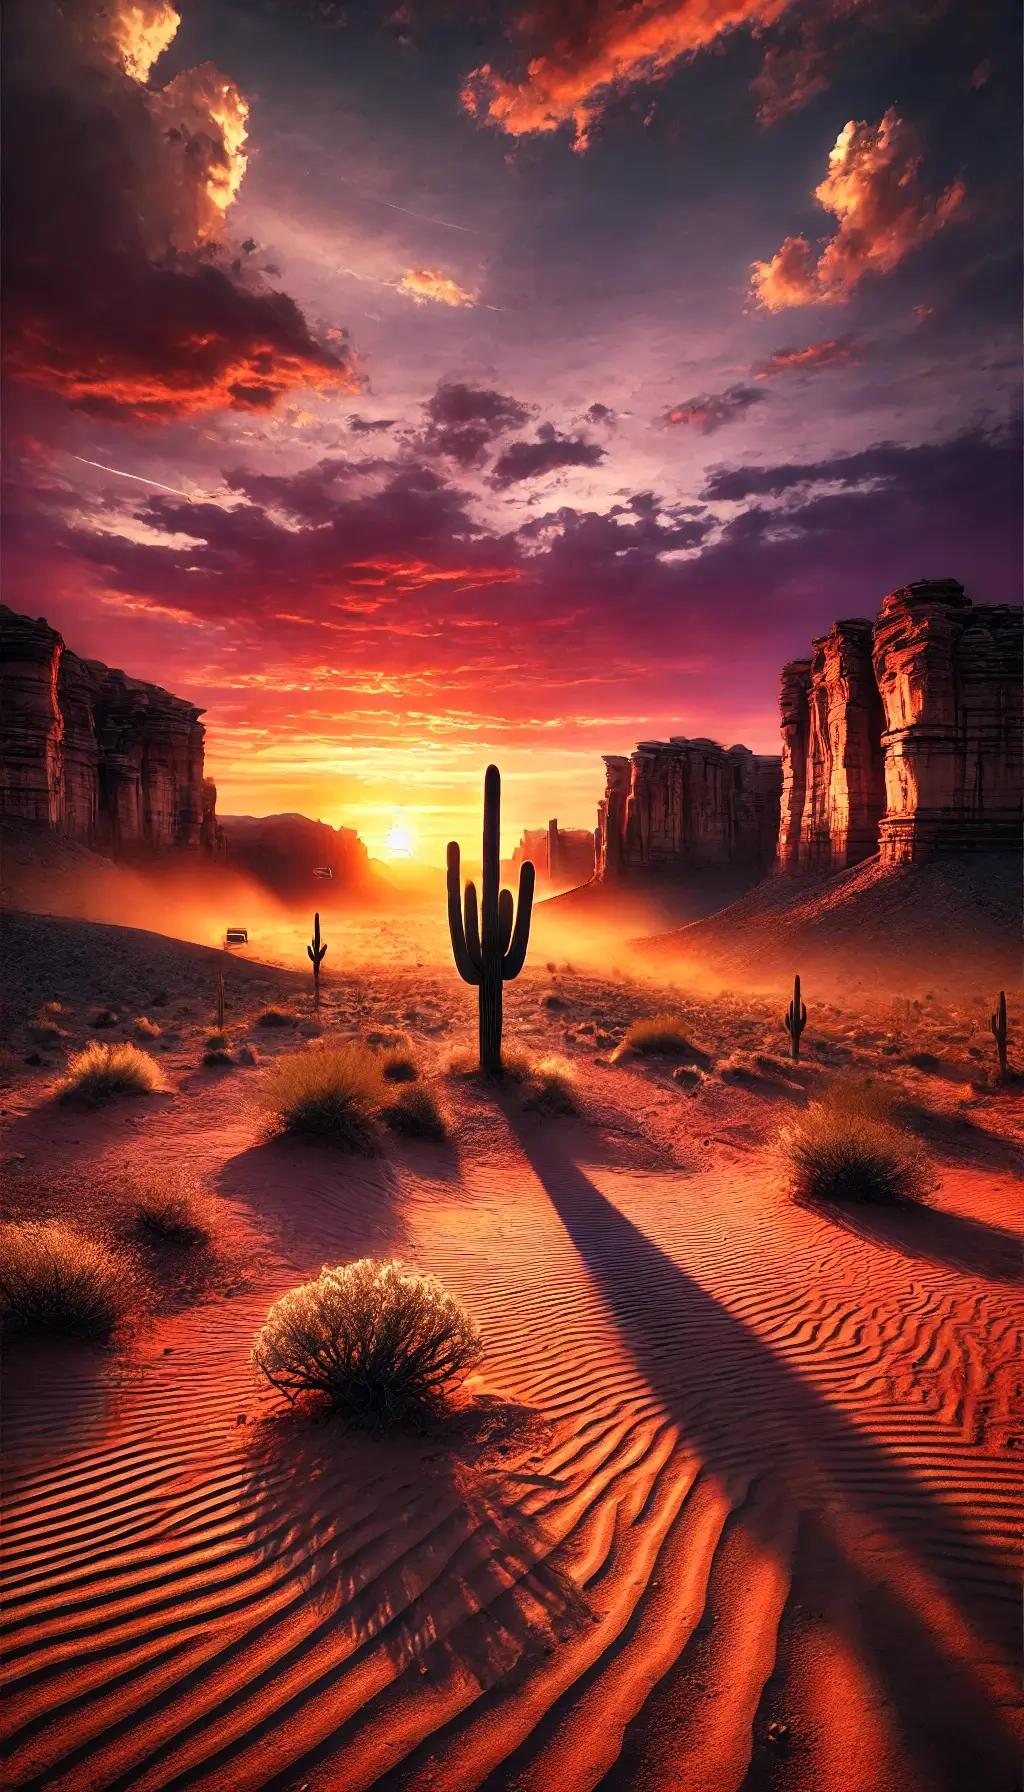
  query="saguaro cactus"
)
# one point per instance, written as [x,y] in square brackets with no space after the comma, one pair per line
[317,953]
[490,954]
[795,1019]
[998,1025]
[220,1003]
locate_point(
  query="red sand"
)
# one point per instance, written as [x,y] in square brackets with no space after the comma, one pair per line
[755,1528]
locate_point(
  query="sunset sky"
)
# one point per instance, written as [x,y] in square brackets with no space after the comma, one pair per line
[527,379]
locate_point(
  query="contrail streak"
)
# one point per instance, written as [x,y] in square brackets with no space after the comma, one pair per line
[140,477]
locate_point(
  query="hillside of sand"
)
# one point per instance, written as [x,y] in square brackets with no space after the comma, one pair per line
[731,1502]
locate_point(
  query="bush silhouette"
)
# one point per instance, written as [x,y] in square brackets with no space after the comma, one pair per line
[381,1344]
[415,1113]
[56,1282]
[662,1034]
[101,1071]
[175,1215]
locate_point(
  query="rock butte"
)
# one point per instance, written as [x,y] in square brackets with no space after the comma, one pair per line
[687,803]
[95,755]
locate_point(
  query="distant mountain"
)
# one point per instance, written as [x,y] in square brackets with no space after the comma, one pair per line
[284,851]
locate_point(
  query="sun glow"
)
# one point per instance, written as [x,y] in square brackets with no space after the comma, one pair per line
[399,841]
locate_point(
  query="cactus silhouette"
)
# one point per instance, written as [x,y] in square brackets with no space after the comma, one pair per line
[488,949]
[796,1019]
[220,1003]
[317,954]
[998,1025]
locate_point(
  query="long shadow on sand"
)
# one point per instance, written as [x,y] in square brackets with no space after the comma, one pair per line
[317,1202]
[411,1547]
[751,1415]
[960,1142]
[952,1240]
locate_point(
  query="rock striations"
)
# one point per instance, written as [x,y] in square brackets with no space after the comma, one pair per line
[99,757]
[683,804]
[904,737]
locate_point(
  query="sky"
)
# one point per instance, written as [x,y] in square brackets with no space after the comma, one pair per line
[420,384]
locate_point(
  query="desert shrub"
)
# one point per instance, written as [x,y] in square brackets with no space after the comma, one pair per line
[837,1156]
[146,1029]
[247,1054]
[217,1042]
[311,1029]
[398,1065]
[105,1018]
[276,1017]
[390,1038]
[54,1281]
[218,1059]
[101,1071]
[461,1061]
[175,1215]
[416,1113]
[333,1093]
[46,1028]
[664,1035]
[378,1342]
[550,1086]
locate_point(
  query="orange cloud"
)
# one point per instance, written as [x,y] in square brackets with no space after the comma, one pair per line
[840,352]
[138,32]
[873,188]
[430,286]
[619,46]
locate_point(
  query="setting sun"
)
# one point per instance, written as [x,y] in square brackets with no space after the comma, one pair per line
[399,841]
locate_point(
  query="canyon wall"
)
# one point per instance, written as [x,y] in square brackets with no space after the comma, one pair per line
[949,673]
[904,737]
[283,851]
[95,755]
[561,857]
[684,804]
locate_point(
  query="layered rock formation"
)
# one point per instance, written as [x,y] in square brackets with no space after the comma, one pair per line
[904,737]
[283,851]
[101,758]
[949,673]
[687,805]
[561,857]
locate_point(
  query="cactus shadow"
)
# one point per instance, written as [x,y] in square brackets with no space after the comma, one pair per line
[312,1198]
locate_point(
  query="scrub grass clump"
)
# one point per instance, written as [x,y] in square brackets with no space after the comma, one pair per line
[54,1282]
[549,1086]
[277,1017]
[332,1093]
[381,1344]
[415,1113]
[661,1035]
[102,1071]
[398,1064]
[175,1216]
[837,1155]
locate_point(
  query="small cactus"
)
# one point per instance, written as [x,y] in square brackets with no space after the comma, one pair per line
[998,1025]
[795,1019]
[317,954]
[220,1003]
[493,953]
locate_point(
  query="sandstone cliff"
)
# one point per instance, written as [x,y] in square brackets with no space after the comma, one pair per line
[99,757]
[687,805]
[904,737]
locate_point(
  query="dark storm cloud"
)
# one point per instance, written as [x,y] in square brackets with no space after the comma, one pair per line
[963,468]
[713,410]
[115,190]
[532,460]
[463,421]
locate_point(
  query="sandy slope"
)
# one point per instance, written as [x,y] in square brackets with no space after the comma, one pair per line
[731,1505]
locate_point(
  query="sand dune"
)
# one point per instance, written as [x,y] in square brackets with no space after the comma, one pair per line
[731,1505]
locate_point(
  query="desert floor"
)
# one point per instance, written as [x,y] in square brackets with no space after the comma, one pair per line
[731,1503]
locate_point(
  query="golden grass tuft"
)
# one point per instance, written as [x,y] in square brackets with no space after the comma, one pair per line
[379,1343]
[550,1086]
[416,1113]
[55,1282]
[176,1216]
[46,1028]
[398,1065]
[146,1028]
[102,1071]
[332,1093]
[839,1155]
[660,1034]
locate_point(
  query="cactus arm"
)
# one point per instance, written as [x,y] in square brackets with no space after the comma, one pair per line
[515,957]
[467,969]
[506,910]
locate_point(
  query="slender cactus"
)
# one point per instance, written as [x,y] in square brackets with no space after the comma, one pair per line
[317,953]
[998,1025]
[220,1003]
[796,1019]
[489,947]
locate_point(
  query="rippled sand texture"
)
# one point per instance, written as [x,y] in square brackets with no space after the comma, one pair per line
[734,1507]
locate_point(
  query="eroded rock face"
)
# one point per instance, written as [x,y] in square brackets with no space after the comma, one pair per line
[833,782]
[283,851]
[562,857]
[796,729]
[108,760]
[688,804]
[949,673]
